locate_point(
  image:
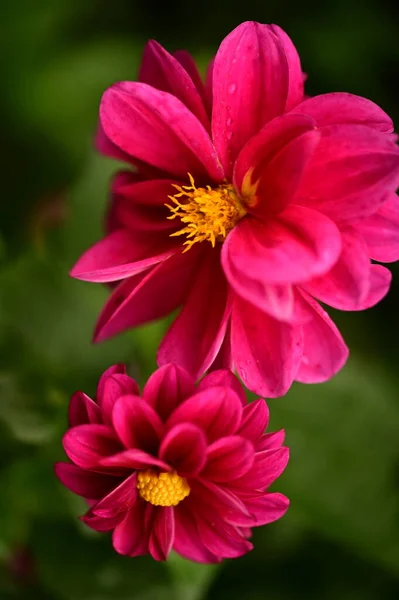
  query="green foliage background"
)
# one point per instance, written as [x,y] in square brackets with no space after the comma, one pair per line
[340,539]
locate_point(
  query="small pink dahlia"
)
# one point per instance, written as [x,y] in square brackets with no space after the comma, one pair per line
[180,467]
[247,206]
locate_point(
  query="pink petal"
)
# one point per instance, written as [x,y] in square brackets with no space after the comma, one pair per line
[187,542]
[122,254]
[250,86]
[162,533]
[155,127]
[255,419]
[215,410]
[164,72]
[131,536]
[340,107]
[380,282]
[100,524]
[266,353]
[84,483]
[264,509]
[82,410]
[295,74]
[115,369]
[119,500]
[167,387]
[221,538]
[114,387]
[86,445]
[147,296]
[292,247]
[225,378]
[133,459]
[139,206]
[270,440]
[267,467]
[184,448]
[271,165]
[324,350]
[223,359]
[209,81]
[381,231]
[347,284]
[195,337]
[351,172]
[137,424]
[188,63]
[228,458]
[208,498]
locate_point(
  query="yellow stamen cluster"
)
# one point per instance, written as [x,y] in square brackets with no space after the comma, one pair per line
[162,489]
[207,213]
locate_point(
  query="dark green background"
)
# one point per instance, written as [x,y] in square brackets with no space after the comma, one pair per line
[340,539]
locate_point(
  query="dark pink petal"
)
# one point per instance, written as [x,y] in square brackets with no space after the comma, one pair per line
[221,538]
[115,369]
[255,419]
[155,127]
[184,448]
[167,387]
[380,282]
[270,167]
[131,536]
[84,483]
[133,459]
[86,445]
[347,284]
[340,107]
[250,87]
[83,410]
[351,172]
[147,296]
[100,524]
[268,466]
[266,353]
[264,509]
[122,254]
[216,500]
[151,193]
[295,74]
[209,81]
[228,458]
[187,541]
[136,423]
[224,359]
[119,500]
[164,72]
[162,532]
[294,246]
[324,350]
[104,145]
[270,440]
[114,387]
[195,337]
[188,63]
[381,231]
[215,410]
[225,378]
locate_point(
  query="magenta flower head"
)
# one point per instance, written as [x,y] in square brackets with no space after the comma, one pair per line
[180,467]
[248,204]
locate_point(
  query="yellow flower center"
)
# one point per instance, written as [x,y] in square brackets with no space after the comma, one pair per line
[162,489]
[207,213]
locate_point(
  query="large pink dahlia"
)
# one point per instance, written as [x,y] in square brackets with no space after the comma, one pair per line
[248,205]
[181,467]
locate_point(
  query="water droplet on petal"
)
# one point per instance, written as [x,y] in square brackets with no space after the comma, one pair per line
[231,88]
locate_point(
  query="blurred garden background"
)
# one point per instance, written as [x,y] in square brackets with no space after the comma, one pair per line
[340,538]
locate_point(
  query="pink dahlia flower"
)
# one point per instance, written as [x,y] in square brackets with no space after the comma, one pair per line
[181,467]
[248,205]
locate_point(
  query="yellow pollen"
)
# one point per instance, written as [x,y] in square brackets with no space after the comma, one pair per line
[208,214]
[162,489]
